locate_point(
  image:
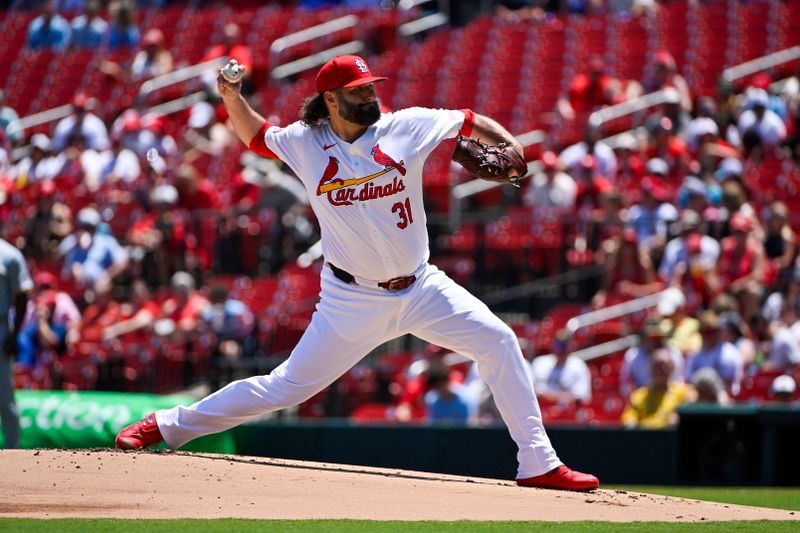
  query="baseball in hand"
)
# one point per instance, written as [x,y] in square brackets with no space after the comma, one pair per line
[232,72]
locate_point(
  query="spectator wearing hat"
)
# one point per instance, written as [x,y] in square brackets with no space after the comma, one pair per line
[636,368]
[47,225]
[676,250]
[591,185]
[606,224]
[667,147]
[655,405]
[574,157]
[160,236]
[709,387]
[671,120]
[662,73]
[630,162]
[91,256]
[652,216]
[741,265]
[683,330]
[204,135]
[759,127]
[589,91]
[49,30]
[551,190]
[560,376]
[163,142]
[706,145]
[716,353]
[777,341]
[41,165]
[64,312]
[153,59]
[628,273]
[44,334]
[783,389]
[780,240]
[83,123]
[88,29]
[185,306]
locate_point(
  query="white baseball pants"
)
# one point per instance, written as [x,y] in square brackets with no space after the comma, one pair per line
[352,320]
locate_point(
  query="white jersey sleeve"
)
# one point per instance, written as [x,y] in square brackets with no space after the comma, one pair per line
[429,127]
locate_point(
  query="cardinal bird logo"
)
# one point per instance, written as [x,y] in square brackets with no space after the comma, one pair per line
[330,172]
[385,160]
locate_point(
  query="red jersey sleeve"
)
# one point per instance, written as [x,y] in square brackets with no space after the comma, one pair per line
[469,122]
[258,145]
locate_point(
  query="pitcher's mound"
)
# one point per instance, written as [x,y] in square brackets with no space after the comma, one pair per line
[113,484]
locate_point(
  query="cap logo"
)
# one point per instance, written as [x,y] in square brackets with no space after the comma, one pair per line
[362,67]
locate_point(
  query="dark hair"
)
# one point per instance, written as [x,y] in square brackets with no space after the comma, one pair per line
[314,112]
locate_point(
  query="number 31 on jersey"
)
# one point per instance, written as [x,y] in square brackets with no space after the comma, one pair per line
[404,212]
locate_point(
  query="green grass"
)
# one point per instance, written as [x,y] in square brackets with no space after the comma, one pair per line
[777,498]
[243,526]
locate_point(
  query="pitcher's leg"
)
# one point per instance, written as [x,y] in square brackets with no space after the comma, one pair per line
[319,358]
[448,315]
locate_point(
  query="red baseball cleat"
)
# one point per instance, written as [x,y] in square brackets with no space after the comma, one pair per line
[140,434]
[562,478]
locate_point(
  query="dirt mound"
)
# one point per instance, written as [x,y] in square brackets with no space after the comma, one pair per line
[112,484]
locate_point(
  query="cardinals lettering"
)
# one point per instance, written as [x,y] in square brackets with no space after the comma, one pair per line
[343,192]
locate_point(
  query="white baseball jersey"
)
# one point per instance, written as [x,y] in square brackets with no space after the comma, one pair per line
[367,194]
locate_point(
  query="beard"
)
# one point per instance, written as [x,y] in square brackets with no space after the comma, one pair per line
[361,114]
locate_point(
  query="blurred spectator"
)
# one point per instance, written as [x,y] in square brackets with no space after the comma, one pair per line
[655,406]
[205,135]
[137,314]
[40,165]
[13,303]
[605,160]
[194,191]
[605,224]
[120,163]
[49,30]
[562,377]
[551,189]
[231,323]
[652,216]
[734,330]
[783,388]
[164,143]
[591,90]
[780,241]
[443,400]
[684,330]
[122,32]
[185,306]
[628,272]
[7,117]
[101,313]
[591,185]
[670,121]
[759,126]
[90,255]
[776,342]
[662,74]
[129,128]
[716,353]
[705,144]
[153,60]
[630,161]
[676,250]
[696,277]
[44,331]
[741,265]
[160,236]
[668,149]
[636,369]
[84,123]
[47,225]
[231,47]
[709,387]
[89,28]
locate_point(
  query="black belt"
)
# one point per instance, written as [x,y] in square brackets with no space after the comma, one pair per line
[394,284]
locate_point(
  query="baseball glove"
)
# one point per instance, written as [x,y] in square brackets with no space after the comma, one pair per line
[488,162]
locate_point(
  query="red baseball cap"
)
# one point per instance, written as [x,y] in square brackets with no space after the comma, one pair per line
[343,72]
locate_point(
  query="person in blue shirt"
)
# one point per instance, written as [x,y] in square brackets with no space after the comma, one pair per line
[90,254]
[443,401]
[49,30]
[89,28]
[123,33]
